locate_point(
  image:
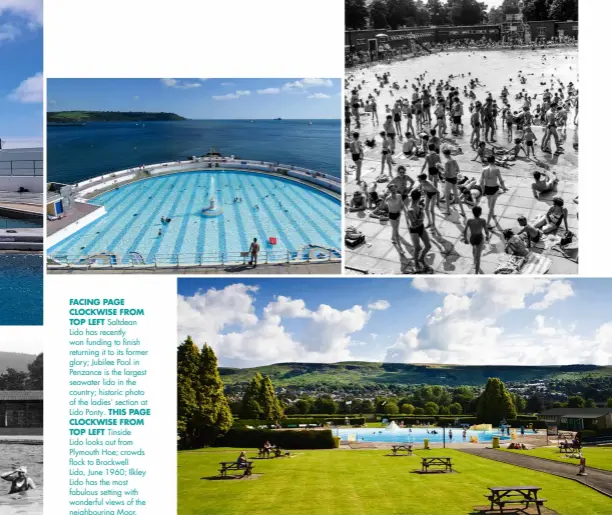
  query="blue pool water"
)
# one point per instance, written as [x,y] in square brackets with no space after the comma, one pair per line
[414,435]
[77,153]
[295,214]
[21,289]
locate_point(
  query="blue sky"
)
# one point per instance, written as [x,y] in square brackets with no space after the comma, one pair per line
[21,65]
[201,98]
[465,321]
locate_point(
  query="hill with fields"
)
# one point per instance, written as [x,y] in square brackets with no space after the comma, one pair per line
[15,360]
[72,117]
[314,375]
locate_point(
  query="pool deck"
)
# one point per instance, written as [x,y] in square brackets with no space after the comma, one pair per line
[78,211]
[449,254]
[280,269]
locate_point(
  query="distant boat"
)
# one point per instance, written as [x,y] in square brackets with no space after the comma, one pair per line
[278,118]
[309,123]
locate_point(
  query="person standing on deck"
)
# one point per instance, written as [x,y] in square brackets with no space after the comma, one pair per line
[254,251]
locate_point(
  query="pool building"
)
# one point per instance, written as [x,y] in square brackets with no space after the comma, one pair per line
[200,212]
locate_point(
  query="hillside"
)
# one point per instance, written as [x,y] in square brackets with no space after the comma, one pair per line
[307,375]
[15,360]
[110,116]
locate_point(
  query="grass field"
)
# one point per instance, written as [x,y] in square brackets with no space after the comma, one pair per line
[340,482]
[596,457]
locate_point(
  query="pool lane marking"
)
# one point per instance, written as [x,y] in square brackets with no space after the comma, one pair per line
[237,181]
[105,222]
[187,216]
[316,227]
[261,230]
[158,241]
[221,238]
[144,228]
[156,210]
[289,244]
[201,236]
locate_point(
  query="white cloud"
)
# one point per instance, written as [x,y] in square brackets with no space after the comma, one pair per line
[174,83]
[233,96]
[268,91]
[308,83]
[135,97]
[379,305]
[30,10]
[559,290]
[9,32]
[319,96]
[30,91]
[227,84]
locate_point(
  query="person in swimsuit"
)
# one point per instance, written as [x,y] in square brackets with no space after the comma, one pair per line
[20,481]
[415,216]
[357,155]
[551,130]
[409,147]
[533,235]
[451,172]
[432,193]
[475,227]
[432,161]
[515,244]
[254,251]
[490,182]
[358,202]
[374,111]
[409,115]
[397,118]
[554,217]
[529,138]
[389,128]
[355,104]
[543,186]
[401,182]
[476,125]
[440,113]
[394,204]
[385,156]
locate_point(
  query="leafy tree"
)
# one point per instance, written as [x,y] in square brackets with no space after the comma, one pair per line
[325,405]
[511,7]
[466,12]
[35,373]
[13,380]
[519,403]
[419,411]
[421,16]
[463,395]
[563,10]
[534,404]
[495,403]
[455,409]
[431,408]
[576,401]
[536,10]
[443,410]
[367,406]
[559,404]
[391,408]
[590,403]
[407,409]
[609,403]
[355,14]
[270,405]
[188,360]
[379,14]
[251,407]
[303,406]
[438,12]
[496,16]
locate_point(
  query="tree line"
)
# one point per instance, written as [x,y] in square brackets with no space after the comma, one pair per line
[13,379]
[394,14]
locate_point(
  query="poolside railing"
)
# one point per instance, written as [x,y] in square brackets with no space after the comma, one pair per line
[21,168]
[199,259]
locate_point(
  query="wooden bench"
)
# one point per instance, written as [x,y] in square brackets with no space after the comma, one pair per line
[402,448]
[569,448]
[227,466]
[525,495]
[270,452]
[443,462]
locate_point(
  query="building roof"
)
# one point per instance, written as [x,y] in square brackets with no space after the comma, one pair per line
[21,395]
[577,412]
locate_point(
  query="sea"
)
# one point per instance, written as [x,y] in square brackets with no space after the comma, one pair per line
[76,153]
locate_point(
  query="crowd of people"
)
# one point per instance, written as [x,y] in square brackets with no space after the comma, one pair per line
[424,124]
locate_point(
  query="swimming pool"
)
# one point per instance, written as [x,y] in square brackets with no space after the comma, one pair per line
[21,289]
[413,435]
[290,213]
[16,223]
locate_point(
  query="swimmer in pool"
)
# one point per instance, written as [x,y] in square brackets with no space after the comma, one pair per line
[20,481]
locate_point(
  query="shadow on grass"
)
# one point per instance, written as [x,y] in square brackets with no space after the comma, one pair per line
[230,477]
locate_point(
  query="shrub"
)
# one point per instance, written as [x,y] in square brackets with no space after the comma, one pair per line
[306,439]
[294,422]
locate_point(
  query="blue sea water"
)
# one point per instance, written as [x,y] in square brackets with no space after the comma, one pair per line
[21,289]
[78,153]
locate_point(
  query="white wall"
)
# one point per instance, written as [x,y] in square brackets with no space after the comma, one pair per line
[12,183]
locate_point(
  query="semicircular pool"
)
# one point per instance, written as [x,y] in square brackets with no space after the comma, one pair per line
[284,215]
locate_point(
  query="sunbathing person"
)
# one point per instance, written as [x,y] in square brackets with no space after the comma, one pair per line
[554,217]
[532,234]
[471,192]
[358,202]
[515,245]
[543,183]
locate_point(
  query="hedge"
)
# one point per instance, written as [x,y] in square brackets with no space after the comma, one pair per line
[294,422]
[305,439]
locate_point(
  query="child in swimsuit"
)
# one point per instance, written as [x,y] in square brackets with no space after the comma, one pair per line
[529,138]
[415,217]
[533,235]
[476,226]
[433,198]
[432,160]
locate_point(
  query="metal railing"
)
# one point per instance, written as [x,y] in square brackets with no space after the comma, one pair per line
[22,168]
[200,259]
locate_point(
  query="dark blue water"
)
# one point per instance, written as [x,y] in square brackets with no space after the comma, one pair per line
[77,153]
[21,289]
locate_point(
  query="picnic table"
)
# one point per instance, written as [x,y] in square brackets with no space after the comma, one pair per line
[502,495]
[402,448]
[569,447]
[226,466]
[270,452]
[437,461]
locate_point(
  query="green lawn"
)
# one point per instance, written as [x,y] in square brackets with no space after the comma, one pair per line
[596,457]
[340,482]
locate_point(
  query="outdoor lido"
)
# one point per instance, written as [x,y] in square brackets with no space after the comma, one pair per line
[204,211]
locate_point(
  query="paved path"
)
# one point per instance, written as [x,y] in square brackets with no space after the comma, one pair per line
[600,480]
